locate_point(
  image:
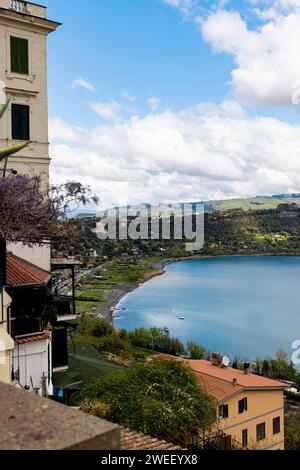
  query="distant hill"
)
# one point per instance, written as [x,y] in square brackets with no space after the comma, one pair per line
[255,203]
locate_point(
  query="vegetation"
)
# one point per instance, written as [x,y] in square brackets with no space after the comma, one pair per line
[231,232]
[160,398]
[279,368]
[196,351]
[292,434]
[156,339]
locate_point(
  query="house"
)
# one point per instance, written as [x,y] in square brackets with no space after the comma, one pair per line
[40,340]
[250,407]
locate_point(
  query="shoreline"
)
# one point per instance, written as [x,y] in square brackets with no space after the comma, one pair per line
[118,293]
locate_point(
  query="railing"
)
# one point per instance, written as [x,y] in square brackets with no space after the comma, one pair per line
[18,6]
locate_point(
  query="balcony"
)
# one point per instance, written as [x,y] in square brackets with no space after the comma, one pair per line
[24,8]
[18,6]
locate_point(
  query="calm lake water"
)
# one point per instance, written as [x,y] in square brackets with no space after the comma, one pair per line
[242,305]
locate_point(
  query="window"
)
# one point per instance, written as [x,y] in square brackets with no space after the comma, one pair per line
[223,411]
[243,405]
[245,438]
[20,122]
[261,431]
[276,425]
[19,55]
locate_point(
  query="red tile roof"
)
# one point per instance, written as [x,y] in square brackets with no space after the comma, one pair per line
[222,383]
[132,440]
[228,374]
[22,273]
[28,339]
[218,388]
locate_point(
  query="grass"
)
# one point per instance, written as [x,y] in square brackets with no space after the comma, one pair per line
[254,204]
[95,291]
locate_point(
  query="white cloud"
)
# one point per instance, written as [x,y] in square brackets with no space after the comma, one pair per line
[153,103]
[82,83]
[108,110]
[128,96]
[267,62]
[186,7]
[112,110]
[204,152]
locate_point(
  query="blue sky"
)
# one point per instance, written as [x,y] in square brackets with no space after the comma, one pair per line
[175,99]
[139,46]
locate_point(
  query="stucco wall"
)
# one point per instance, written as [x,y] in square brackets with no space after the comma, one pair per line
[6,342]
[32,360]
[263,406]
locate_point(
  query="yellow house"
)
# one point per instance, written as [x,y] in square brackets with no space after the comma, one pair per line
[6,342]
[250,407]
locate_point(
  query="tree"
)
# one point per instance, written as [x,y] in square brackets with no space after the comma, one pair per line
[196,351]
[30,215]
[161,398]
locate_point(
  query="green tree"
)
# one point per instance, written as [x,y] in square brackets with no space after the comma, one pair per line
[160,398]
[196,351]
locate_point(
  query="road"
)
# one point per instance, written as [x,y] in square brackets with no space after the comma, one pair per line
[87,272]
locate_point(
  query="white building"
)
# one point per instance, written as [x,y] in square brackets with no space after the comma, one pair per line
[32,362]
[6,342]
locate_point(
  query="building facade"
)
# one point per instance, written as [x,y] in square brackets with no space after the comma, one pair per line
[28,324]
[6,342]
[24,28]
[250,407]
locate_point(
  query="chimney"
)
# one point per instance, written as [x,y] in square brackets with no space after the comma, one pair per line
[247,368]
[234,382]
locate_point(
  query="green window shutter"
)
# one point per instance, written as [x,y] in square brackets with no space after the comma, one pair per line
[20,122]
[19,55]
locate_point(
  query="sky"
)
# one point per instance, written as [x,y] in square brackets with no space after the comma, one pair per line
[167,101]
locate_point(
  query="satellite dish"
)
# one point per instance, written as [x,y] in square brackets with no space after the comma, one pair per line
[225,361]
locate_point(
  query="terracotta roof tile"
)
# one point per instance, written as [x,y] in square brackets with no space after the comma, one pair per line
[228,374]
[28,339]
[22,273]
[132,440]
[219,389]
[219,382]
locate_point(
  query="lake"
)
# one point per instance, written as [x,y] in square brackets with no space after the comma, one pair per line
[247,306]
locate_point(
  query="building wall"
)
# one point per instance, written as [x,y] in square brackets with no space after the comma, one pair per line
[30,90]
[6,342]
[263,406]
[33,361]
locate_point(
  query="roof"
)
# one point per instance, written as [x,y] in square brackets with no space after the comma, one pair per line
[228,374]
[132,440]
[35,338]
[222,383]
[218,388]
[21,273]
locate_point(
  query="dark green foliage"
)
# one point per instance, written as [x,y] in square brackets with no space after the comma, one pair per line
[160,398]
[157,340]
[94,326]
[292,434]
